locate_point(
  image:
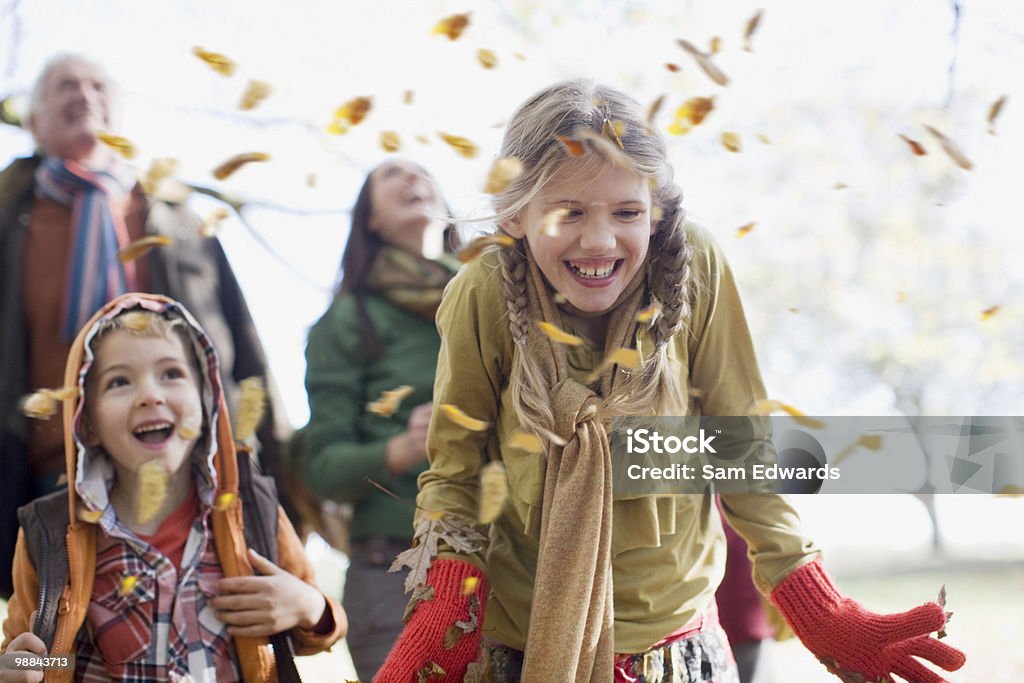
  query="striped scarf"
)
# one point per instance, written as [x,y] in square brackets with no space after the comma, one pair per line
[97,199]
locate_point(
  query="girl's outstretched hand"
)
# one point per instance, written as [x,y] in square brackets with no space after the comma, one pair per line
[263,605]
[858,645]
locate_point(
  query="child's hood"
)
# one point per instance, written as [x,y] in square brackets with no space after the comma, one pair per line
[88,469]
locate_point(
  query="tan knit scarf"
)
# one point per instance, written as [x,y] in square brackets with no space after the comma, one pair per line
[571,636]
[410,281]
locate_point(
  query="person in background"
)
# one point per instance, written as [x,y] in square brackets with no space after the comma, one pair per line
[65,212]
[377,335]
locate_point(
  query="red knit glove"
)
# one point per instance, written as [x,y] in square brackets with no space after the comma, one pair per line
[422,642]
[858,645]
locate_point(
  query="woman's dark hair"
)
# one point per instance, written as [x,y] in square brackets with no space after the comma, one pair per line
[360,251]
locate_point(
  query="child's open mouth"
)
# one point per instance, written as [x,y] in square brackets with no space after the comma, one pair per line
[154,433]
[594,273]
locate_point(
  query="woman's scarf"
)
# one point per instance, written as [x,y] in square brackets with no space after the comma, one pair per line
[410,281]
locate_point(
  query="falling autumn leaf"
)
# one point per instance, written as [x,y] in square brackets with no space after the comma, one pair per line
[255,92]
[551,223]
[136,321]
[350,113]
[673,68]
[691,113]
[989,312]
[159,170]
[251,403]
[478,246]
[573,147]
[520,56]
[389,401]
[731,141]
[89,516]
[452,26]
[993,114]
[218,62]
[915,146]
[839,185]
[793,309]
[555,334]
[39,406]
[704,62]
[126,585]
[750,28]
[187,432]
[652,111]
[627,358]
[469,584]
[525,442]
[121,145]
[212,222]
[390,141]
[901,296]
[493,491]
[464,147]
[407,97]
[456,415]
[152,485]
[745,229]
[503,171]
[606,148]
[142,245]
[487,59]
[649,313]
[950,148]
[715,46]
[764,139]
[311,180]
[225,501]
[423,139]
[236,162]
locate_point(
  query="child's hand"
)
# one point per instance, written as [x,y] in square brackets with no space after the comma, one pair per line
[264,605]
[25,644]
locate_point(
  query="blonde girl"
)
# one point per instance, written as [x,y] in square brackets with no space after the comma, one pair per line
[573,583]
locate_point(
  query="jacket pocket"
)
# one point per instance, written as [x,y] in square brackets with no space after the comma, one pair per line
[121,617]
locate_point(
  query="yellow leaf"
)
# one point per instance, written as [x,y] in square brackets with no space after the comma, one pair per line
[390,141]
[764,139]
[433,515]
[557,335]
[212,223]
[993,114]
[573,147]
[255,92]
[649,312]
[152,482]
[901,296]
[126,585]
[122,146]
[716,45]
[520,56]
[350,113]
[627,358]
[224,501]
[559,298]
[731,141]
[407,97]
[704,62]
[452,26]
[423,139]
[989,312]
[748,30]
[469,584]
[187,432]
[950,148]
[218,62]
[464,147]
[493,492]
[136,321]
[89,516]
[487,59]
[503,172]
[140,246]
[745,229]
[872,442]
[251,404]
[1011,491]
[236,162]
[691,113]
[551,222]
[389,401]
[525,442]
[460,418]
[481,244]
[159,169]
[914,145]
[39,406]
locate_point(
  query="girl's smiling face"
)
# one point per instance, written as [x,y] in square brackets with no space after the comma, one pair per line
[592,253]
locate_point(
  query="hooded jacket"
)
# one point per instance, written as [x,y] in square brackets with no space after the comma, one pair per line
[62,540]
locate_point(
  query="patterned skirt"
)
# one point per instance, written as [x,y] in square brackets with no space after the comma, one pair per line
[701,656]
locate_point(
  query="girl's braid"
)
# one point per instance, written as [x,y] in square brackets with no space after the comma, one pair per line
[669,270]
[514,268]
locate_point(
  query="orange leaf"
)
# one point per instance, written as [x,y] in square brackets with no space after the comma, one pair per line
[674,68]
[452,26]
[573,147]
[914,145]
[236,162]
[745,229]
[989,312]
[649,312]
[389,401]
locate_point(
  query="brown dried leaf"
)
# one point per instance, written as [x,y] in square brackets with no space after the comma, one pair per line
[431,670]
[251,404]
[989,312]
[557,335]
[390,141]
[731,141]
[236,162]
[121,145]
[652,111]
[422,593]
[418,557]
[704,62]
[459,534]
[745,229]
[750,28]
[142,245]
[993,113]
[673,68]
[464,147]
[950,148]
[218,62]
[461,628]
[389,401]
[487,59]
[493,491]
[503,172]
[915,146]
[452,26]
[456,415]
[481,244]
[573,147]
[255,92]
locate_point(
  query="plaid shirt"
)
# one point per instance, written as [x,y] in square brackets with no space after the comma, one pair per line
[164,628]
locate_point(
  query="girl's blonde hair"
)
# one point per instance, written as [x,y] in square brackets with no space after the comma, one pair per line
[592,115]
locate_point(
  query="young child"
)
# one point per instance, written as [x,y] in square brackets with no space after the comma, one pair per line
[574,584]
[143,569]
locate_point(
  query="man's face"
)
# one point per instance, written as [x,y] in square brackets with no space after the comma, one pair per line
[75,106]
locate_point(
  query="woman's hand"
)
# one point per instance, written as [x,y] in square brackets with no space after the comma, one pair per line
[410,447]
[271,603]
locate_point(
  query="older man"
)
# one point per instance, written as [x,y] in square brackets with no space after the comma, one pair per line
[64,214]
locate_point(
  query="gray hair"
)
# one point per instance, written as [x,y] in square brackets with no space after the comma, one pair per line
[39,87]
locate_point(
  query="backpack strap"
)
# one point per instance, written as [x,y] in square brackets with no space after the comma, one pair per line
[45,523]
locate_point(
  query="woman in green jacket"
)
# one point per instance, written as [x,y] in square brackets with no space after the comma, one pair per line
[377,335]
